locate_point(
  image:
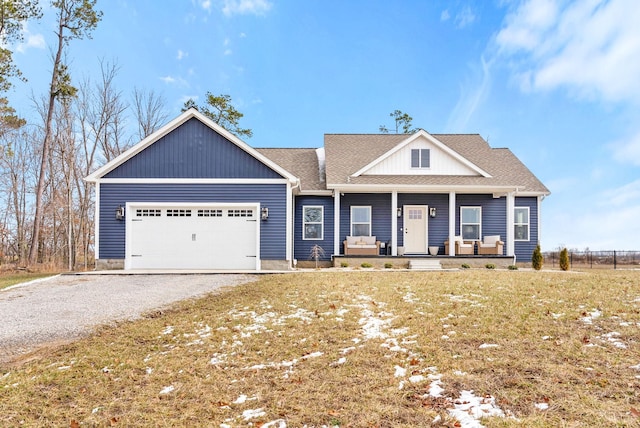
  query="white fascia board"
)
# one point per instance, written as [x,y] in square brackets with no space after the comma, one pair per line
[315,193]
[191,113]
[194,180]
[387,188]
[435,141]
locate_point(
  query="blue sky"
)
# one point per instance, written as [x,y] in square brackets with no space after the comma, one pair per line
[555,81]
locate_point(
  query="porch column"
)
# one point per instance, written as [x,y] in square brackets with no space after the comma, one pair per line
[336,222]
[394,223]
[452,223]
[511,203]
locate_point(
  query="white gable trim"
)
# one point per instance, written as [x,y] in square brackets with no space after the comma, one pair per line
[432,139]
[175,123]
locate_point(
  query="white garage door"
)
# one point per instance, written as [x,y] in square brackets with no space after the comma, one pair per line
[192,237]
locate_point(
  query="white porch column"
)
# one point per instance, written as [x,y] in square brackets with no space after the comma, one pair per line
[511,203]
[452,223]
[394,223]
[539,198]
[336,223]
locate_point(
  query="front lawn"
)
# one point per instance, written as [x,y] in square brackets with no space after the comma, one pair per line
[356,349]
[7,279]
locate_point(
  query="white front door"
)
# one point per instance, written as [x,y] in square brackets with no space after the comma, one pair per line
[415,229]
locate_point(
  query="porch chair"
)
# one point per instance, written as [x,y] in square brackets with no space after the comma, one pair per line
[361,246]
[461,246]
[491,245]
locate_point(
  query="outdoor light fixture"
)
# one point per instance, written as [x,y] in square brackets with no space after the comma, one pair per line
[432,212]
[264,213]
[399,211]
[120,213]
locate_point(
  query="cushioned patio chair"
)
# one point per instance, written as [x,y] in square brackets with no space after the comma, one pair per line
[461,247]
[491,245]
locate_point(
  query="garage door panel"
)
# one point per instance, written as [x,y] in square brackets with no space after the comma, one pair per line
[195,238]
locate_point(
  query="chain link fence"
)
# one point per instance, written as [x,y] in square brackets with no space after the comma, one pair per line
[614,259]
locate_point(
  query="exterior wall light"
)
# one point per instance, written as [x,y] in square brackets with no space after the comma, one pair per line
[432,212]
[399,212]
[264,213]
[120,213]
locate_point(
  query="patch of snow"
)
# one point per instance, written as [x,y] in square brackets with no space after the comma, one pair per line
[400,371]
[340,361]
[547,337]
[253,413]
[278,423]
[542,406]
[487,346]
[167,389]
[469,408]
[436,389]
[588,319]
[637,367]
[167,330]
[416,378]
[312,355]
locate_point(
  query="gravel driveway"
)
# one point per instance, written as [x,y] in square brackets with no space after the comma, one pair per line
[67,307]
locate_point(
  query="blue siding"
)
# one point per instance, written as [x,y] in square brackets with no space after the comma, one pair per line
[302,248]
[524,249]
[273,196]
[494,213]
[438,225]
[380,214]
[193,150]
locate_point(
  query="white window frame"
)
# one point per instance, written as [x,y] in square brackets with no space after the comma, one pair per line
[305,223]
[420,165]
[527,223]
[360,222]
[462,224]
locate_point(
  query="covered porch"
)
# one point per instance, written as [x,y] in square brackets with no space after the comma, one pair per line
[403,262]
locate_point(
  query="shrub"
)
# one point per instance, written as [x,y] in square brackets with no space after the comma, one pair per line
[537,259]
[366,265]
[564,259]
[490,266]
[513,267]
[344,264]
[465,266]
[388,265]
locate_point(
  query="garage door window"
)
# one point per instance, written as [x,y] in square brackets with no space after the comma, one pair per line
[240,213]
[209,213]
[148,213]
[178,213]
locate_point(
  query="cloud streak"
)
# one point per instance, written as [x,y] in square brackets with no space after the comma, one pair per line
[245,7]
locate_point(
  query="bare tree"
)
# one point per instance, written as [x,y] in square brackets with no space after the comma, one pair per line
[75,19]
[149,111]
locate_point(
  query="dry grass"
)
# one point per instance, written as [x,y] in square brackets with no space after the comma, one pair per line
[301,349]
[9,278]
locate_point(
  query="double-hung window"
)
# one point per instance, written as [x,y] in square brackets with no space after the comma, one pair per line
[312,222]
[420,158]
[521,224]
[360,221]
[471,223]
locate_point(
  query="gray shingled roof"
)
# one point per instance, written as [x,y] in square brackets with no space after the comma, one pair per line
[345,154]
[348,153]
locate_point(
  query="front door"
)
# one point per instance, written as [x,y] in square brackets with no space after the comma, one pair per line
[415,229]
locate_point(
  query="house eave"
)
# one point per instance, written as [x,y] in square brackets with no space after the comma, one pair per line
[415,188]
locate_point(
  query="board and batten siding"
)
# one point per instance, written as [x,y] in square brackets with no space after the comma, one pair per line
[193,150]
[302,247]
[524,249]
[438,231]
[272,196]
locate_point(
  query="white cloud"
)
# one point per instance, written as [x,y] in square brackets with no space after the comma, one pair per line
[228,52]
[465,17]
[168,79]
[30,40]
[181,54]
[470,100]
[627,150]
[590,47]
[206,5]
[444,16]
[246,7]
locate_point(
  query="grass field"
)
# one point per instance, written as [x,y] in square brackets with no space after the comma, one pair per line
[7,279]
[356,349]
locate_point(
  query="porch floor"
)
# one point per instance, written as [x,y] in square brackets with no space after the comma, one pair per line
[402,262]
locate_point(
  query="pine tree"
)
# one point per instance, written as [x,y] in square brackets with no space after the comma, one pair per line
[537,259]
[564,259]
